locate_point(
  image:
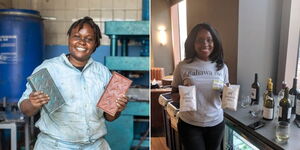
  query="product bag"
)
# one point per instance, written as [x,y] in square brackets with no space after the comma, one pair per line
[188,100]
[230,97]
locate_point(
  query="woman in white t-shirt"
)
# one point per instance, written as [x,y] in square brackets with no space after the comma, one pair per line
[203,67]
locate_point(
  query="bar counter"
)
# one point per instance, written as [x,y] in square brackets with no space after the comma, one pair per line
[263,138]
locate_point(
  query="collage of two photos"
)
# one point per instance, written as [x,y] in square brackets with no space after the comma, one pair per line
[74,74]
[233,68]
[149,74]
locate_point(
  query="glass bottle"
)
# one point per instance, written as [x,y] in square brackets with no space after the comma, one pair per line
[285,107]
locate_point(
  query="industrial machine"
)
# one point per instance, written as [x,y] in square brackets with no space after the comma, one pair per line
[131,129]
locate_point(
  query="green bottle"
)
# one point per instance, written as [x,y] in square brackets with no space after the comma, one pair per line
[285,107]
[255,91]
[294,92]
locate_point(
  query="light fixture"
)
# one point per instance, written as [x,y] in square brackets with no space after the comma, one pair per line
[162,35]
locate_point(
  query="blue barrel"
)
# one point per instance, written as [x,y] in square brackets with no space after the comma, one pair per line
[21,49]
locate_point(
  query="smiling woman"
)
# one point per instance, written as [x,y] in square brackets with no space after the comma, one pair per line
[81,45]
[204,44]
[84,38]
[78,124]
[203,65]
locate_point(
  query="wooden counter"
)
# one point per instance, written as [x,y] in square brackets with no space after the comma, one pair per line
[157,128]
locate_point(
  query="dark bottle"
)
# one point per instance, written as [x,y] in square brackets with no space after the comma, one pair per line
[293,95]
[298,107]
[268,109]
[255,91]
[281,92]
[285,107]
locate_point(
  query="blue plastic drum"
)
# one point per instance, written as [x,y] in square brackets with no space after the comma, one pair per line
[21,49]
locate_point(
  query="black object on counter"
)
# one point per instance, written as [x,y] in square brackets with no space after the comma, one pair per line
[256,125]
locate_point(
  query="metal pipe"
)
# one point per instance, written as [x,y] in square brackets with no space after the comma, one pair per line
[124,50]
[113,45]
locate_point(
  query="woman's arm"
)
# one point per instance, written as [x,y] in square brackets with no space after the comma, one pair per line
[111,118]
[175,94]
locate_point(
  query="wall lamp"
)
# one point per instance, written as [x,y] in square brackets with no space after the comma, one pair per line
[162,35]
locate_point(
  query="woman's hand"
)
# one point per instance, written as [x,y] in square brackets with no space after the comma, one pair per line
[34,103]
[121,103]
[187,82]
[38,99]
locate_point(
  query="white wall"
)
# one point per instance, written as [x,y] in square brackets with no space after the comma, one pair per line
[258,42]
[66,11]
[161,55]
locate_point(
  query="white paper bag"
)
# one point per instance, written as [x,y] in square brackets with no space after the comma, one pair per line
[188,100]
[230,97]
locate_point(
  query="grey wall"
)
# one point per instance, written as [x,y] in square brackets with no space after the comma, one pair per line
[258,44]
[161,56]
[223,15]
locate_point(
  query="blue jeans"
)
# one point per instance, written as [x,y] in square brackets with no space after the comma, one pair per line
[45,142]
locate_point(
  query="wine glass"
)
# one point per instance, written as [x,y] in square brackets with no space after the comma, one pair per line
[255,111]
[245,101]
[282,132]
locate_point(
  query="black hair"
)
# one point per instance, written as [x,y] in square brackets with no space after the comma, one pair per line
[94,26]
[217,53]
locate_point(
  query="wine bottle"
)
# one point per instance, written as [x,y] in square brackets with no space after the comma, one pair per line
[298,107]
[281,92]
[280,96]
[266,92]
[255,91]
[285,107]
[268,109]
[293,95]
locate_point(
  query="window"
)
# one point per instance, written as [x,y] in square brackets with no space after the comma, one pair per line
[182,27]
[179,30]
[288,65]
[298,64]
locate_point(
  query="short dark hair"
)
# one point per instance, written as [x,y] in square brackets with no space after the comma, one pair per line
[217,53]
[94,26]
